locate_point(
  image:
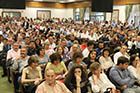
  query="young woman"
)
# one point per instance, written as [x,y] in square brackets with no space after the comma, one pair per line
[105,60]
[91,58]
[77,80]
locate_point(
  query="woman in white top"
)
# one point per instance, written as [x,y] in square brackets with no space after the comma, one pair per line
[105,60]
[99,81]
[134,59]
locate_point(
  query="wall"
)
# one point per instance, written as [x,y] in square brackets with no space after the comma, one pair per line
[121,9]
[31,12]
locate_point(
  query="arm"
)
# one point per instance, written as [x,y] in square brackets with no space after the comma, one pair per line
[65,69]
[117,78]
[23,77]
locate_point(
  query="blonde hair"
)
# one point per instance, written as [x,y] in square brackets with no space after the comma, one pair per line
[94,66]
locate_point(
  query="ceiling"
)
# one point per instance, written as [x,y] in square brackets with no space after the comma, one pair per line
[58,1]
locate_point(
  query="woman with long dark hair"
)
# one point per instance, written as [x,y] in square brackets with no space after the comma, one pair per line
[77,80]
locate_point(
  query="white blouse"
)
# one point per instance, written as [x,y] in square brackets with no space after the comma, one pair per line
[106,62]
[101,85]
[133,71]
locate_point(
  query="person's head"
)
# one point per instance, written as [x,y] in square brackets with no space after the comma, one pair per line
[47,44]
[63,42]
[134,59]
[55,58]
[92,54]
[32,45]
[27,40]
[33,61]
[75,47]
[50,76]
[95,68]
[15,46]
[101,44]
[106,52]
[10,41]
[23,52]
[123,49]
[40,51]
[76,70]
[60,50]
[77,57]
[123,63]
[50,39]
[90,45]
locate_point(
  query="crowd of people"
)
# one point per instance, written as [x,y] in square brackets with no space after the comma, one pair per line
[67,56]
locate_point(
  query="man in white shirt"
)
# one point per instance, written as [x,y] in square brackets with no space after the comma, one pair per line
[86,51]
[14,52]
[122,52]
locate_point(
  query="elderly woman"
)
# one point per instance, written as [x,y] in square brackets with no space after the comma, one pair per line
[99,81]
[77,80]
[51,85]
[31,75]
[57,65]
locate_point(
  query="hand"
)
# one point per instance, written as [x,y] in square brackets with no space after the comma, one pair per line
[37,82]
[78,78]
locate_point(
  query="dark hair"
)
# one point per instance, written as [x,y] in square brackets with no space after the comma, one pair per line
[32,59]
[132,59]
[93,50]
[55,56]
[105,49]
[122,60]
[38,50]
[70,78]
[62,49]
[90,42]
[76,55]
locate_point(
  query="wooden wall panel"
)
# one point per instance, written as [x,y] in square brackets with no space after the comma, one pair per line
[76,4]
[43,4]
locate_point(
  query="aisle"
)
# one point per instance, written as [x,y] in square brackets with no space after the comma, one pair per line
[5,86]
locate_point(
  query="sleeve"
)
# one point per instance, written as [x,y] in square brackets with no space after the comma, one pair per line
[109,83]
[132,71]
[70,65]
[116,77]
[94,87]
[101,62]
[8,55]
[39,89]
[66,90]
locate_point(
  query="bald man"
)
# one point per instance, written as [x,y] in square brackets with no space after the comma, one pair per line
[51,85]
